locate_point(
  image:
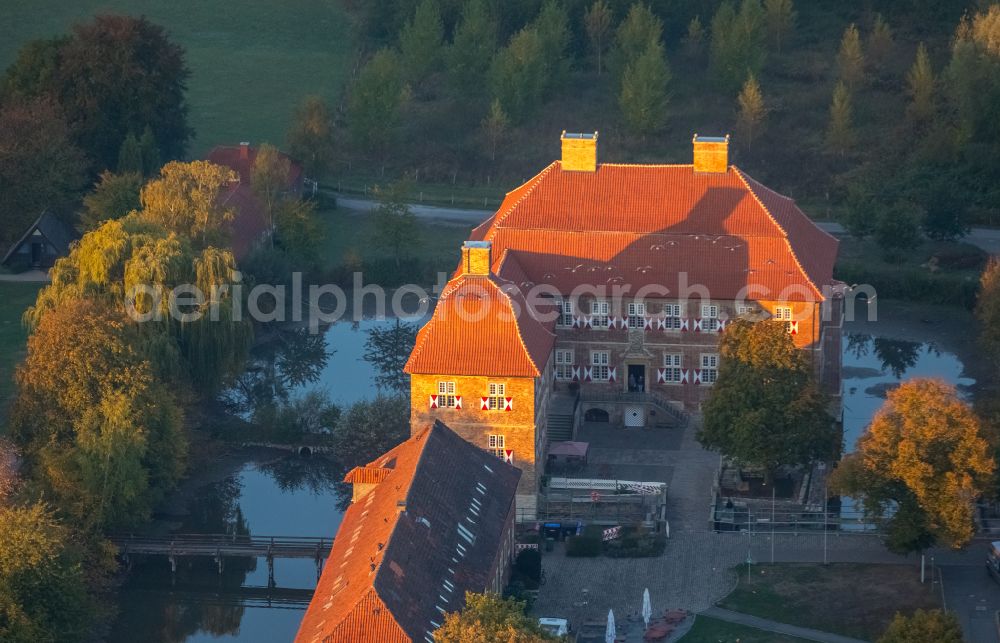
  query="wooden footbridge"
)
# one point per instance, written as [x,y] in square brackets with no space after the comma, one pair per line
[222,546]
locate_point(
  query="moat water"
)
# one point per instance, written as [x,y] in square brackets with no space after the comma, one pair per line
[274,494]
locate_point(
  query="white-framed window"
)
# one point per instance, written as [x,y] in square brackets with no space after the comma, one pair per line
[672,316]
[496,394]
[746,309]
[709,317]
[496,444]
[672,367]
[784,313]
[599,361]
[446,395]
[636,315]
[564,363]
[709,368]
[599,311]
[565,319]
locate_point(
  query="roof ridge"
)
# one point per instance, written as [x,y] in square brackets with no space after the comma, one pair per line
[784,232]
[651,165]
[533,181]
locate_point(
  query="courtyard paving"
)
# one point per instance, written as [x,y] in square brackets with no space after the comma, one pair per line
[697,568]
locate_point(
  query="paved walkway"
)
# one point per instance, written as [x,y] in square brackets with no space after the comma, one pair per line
[768,625]
[27,276]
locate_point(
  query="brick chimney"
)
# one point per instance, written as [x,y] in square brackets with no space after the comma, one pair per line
[711,153]
[476,258]
[245,150]
[579,152]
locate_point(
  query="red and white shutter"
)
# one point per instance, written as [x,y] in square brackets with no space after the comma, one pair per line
[661,323]
[647,323]
[588,322]
[697,377]
[576,322]
[434,401]
[696,326]
[508,456]
[576,374]
[588,373]
[720,325]
[484,404]
[613,322]
[661,375]
[685,375]
[458,401]
[793,328]
[612,373]
[508,404]
[684,323]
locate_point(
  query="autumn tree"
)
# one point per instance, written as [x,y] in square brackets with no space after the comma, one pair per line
[779,15]
[269,178]
[10,470]
[43,589]
[640,29]
[112,76]
[101,431]
[840,131]
[738,37]
[184,198]
[988,310]
[487,618]
[494,126]
[375,103]
[364,429]
[643,98]
[930,626]
[922,457]
[387,350]
[973,75]
[396,227]
[920,85]
[421,42]
[518,75]
[597,22]
[765,409]
[850,58]
[310,137]
[40,167]
[472,47]
[879,43]
[752,111]
[113,196]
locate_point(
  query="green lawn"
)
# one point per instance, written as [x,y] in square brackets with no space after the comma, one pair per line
[16,297]
[251,61]
[710,630]
[350,232]
[849,599]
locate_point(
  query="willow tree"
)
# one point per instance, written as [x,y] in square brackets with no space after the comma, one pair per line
[185,199]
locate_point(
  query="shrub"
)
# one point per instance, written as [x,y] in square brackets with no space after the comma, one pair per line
[587,544]
[912,284]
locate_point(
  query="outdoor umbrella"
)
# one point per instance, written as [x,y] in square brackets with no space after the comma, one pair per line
[609,633]
[647,608]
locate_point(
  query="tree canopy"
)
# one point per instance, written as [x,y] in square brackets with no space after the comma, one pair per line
[487,618]
[765,409]
[112,76]
[920,466]
[930,626]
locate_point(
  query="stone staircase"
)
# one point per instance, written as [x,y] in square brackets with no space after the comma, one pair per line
[559,428]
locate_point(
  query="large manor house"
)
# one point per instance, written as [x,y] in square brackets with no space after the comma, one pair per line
[597,292]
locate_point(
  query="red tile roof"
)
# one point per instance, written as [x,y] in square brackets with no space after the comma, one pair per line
[233,156]
[249,221]
[396,561]
[482,326]
[646,224]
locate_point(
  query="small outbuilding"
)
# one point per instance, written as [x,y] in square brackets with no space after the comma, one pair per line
[47,239]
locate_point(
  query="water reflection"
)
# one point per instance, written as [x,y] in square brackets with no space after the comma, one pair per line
[873,365]
[284,360]
[285,496]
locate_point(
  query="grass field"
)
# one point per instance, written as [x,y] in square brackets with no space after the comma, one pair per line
[251,61]
[848,599]
[16,297]
[710,630]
